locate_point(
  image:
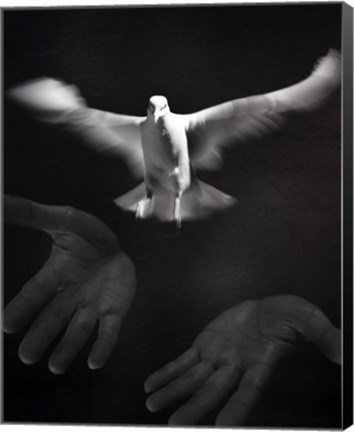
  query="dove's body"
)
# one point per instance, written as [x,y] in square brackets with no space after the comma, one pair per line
[165,149]
[167,165]
[170,192]
[166,159]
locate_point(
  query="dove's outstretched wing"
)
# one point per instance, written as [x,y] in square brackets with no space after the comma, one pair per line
[55,102]
[253,117]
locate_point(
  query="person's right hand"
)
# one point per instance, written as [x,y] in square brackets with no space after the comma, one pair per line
[86,279]
[232,359]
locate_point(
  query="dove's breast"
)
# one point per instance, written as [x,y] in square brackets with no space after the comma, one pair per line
[165,153]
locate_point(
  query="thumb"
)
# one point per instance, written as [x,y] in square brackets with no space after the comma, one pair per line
[19,211]
[23,212]
[324,335]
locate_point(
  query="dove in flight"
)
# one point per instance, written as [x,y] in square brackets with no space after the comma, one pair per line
[164,149]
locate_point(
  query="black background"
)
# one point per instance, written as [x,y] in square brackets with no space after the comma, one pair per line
[283,237]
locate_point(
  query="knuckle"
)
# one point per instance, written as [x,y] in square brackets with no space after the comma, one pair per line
[256,381]
[176,388]
[59,313]
[210,364]
[107,340]
[195,404]
[215,386]
[27,300]
[167,368]
[38,283]
[109,337]
[69,213]
[84,327]
[45,333]
[29,210]
[70,340]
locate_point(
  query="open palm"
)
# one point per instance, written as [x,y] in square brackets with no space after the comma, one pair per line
[86,279]
[233,358]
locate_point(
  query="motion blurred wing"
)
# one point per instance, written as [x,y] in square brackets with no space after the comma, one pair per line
[57,103]
[255,116]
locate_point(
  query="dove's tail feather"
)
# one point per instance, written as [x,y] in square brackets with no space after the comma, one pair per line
[197,202]
[130,200]
[201,200]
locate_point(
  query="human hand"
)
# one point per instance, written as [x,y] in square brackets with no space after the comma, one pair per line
[238,350]
[86,279]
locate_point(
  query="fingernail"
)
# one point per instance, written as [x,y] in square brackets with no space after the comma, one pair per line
[172,421]
[26,360]
[25,357]
[150,406]
[8,327]
[147,387]
[92,365]
[55,370]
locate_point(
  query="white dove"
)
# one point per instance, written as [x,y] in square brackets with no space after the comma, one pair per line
[165,149]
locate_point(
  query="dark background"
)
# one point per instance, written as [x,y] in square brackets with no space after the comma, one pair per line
[283,237]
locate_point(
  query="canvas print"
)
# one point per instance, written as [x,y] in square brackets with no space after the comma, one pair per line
[172,215]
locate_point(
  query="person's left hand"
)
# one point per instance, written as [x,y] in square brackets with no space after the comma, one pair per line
[86,279]
[232,359]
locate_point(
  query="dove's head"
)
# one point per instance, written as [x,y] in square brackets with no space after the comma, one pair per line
[158,107]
